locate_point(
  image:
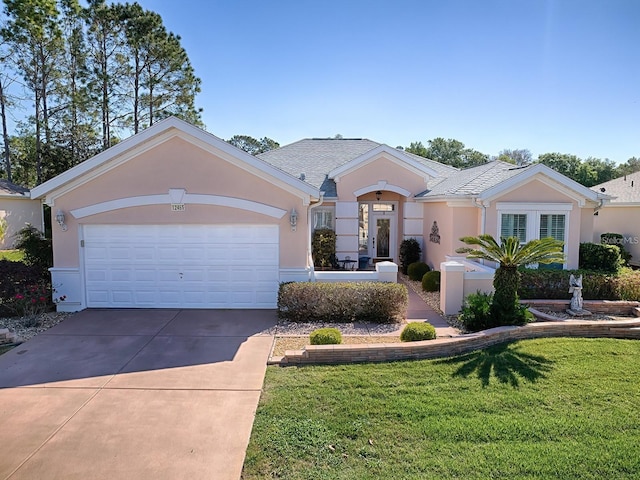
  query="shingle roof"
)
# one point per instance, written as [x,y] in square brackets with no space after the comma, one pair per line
[11,189]
[474,180]
[316,157]
[626,189]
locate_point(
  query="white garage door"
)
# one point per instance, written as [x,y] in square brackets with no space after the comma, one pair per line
[184,266]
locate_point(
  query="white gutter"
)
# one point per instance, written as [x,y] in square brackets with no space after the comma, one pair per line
[483,220]
[309,237]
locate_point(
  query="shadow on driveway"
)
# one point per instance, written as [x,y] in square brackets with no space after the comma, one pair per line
[91,347]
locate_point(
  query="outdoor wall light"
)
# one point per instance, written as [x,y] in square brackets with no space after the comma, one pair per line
[378,195]
[60,220]
[293,219]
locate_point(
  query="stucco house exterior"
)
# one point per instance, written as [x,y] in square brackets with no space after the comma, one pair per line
[17,209]
[176,217]
[622,213]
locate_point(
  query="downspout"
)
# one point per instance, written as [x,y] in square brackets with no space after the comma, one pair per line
[310,209]
[483,215]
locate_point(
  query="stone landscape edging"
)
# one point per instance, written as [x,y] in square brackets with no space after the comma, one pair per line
[446,347]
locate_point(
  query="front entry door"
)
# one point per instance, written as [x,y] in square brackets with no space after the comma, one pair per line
[383,235]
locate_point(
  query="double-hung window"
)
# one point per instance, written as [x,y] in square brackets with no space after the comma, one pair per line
[514,225]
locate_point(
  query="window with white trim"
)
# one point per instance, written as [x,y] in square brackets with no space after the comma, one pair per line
[534,221]
[323,218]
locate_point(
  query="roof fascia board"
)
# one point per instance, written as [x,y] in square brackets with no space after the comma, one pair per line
[394,155]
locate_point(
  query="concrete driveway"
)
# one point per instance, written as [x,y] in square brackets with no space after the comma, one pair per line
[124,394]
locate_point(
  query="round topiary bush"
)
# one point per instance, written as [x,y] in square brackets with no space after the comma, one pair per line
[417,331]
[416,270]
[326,336]
[431,281]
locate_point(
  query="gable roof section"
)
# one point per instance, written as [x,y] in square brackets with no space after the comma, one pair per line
[155,135]
[319,159]
[625,190]
[8,189]
[490,180]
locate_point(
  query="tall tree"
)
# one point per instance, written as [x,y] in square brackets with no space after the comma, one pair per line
[417,148]
[518,156]
[107,65]
[630,166]
[33,32]
[563,163]
[453,152]
[252,145]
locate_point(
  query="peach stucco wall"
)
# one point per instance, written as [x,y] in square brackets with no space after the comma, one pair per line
[17,212]
[381,169]
[536,192]
[182,165]
[453,223]
[622,220]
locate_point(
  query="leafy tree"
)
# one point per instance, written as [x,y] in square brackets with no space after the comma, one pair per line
[630,166]
[252,145]
[510,254]
[417,148]
[517,156]
[563,163]
[453,152]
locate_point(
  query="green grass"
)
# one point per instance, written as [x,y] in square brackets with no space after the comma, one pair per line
[536,409]
[13,255]
[5,349]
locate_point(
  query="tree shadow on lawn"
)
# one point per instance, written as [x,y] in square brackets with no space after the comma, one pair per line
[506,361]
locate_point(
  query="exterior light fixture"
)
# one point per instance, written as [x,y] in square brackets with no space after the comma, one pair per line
[60,220]
[378,195]
[293,219]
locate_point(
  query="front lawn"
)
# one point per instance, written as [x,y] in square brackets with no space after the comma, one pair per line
[546,408]
[12,255]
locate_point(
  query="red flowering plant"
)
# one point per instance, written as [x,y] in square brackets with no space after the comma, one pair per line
[31,301]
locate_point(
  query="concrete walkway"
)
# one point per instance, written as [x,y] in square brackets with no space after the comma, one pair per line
[419,311]
[126,394]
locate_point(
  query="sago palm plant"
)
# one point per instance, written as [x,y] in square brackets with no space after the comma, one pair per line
[510,255]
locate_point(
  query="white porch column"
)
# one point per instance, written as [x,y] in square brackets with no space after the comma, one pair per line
[387,272]
[347,230]
[451,287]
[412,223]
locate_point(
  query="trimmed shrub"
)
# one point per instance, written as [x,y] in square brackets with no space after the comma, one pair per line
[476,311]
[325,336]
[410,252]
[417,270]
[431,281]
[342,302]
[37,249]
[616,239]
[417,331]
[598,256]
[323,247]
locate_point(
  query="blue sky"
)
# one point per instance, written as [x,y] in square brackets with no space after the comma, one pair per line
[547,75]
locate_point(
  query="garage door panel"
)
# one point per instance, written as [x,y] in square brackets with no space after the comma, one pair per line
[186,266]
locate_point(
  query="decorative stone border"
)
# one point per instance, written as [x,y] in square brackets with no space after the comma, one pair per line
[446,347]
[607,307]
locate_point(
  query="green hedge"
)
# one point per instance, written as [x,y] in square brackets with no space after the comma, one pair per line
[342,302]
[554,284]
[431,281]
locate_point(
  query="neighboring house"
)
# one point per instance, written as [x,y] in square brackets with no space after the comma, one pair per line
[16,210]
[176,217]
[621,214]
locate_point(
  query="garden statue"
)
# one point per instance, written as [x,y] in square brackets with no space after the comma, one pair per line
[575,287]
